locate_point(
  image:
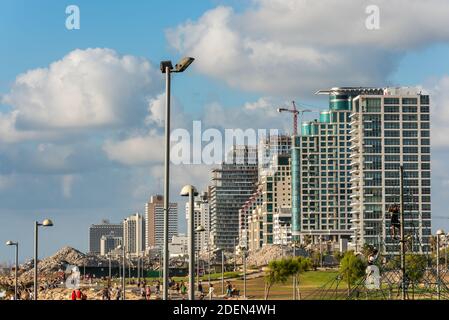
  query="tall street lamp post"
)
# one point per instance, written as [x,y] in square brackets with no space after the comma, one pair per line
[167,68]
[37,224]
[190,191]
[440,233]
[222,271]
[16,244]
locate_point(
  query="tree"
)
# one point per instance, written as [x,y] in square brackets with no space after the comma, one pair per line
[316,259]
[303,265]
[352,269]
[279,271]
[415,268]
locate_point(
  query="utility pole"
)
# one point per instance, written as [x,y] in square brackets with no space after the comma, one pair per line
[401,195]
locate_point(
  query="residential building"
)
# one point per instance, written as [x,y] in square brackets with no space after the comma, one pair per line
[154,222]
[244,215]
[391,128]
[178,245]
[105,228]
[233,183]
[201,218]
[109,243]
[255,229]
[282,233]
[134,235]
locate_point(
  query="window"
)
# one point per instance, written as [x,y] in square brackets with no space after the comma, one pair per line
[424,99]
[389,133]
[425,117]
[391,109]
[391,101]
[425,125]
[410,149]
[413,133]
[391,142]
[391,117]
[410,142]
[373,104]
[391,125]
[409,101]
[424,109]
[409,117]
[410,125]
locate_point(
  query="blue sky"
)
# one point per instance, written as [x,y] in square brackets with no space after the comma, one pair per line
[266,55]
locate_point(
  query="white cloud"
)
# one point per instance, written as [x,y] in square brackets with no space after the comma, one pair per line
[66,185]
[136,150]
[156,113]
[259,114]
[85,89]
[440,112]
[298,46]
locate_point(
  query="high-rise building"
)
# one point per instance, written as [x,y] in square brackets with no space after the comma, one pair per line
[201,218]
[154,221]
[134,234]
[274,179]
[282,232]
[109,243]
[390,128]
[233,183]
[321,184]
[255,229]
[245,212]
[105,228]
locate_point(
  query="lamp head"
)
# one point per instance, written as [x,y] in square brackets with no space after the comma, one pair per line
[440,232]
[182,65]
[11,243]
[165,64]
[47,223]
[187,189]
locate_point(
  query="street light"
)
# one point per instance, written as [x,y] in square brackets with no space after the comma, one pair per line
[190,191]
[37,224]
[439,234]
[167,68]
[294,243]
[16,244]
[243,249]
[120,247]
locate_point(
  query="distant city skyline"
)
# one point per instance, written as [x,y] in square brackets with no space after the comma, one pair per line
[81,111]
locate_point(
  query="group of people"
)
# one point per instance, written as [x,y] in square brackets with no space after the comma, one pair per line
[231,290]
[77,294]
[109,293]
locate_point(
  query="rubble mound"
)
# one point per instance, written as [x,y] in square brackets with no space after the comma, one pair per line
[59,261]
[264,255]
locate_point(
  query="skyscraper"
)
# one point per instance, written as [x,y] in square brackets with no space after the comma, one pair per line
[105,228]
[109,243]
[201,218]
[321,173]
[233,184]
[274,179]
[391,128]
[134,234]
[154,221]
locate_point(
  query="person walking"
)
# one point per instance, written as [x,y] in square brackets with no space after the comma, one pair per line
[200,290]
[183,289]
[211,291]
[148,292]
